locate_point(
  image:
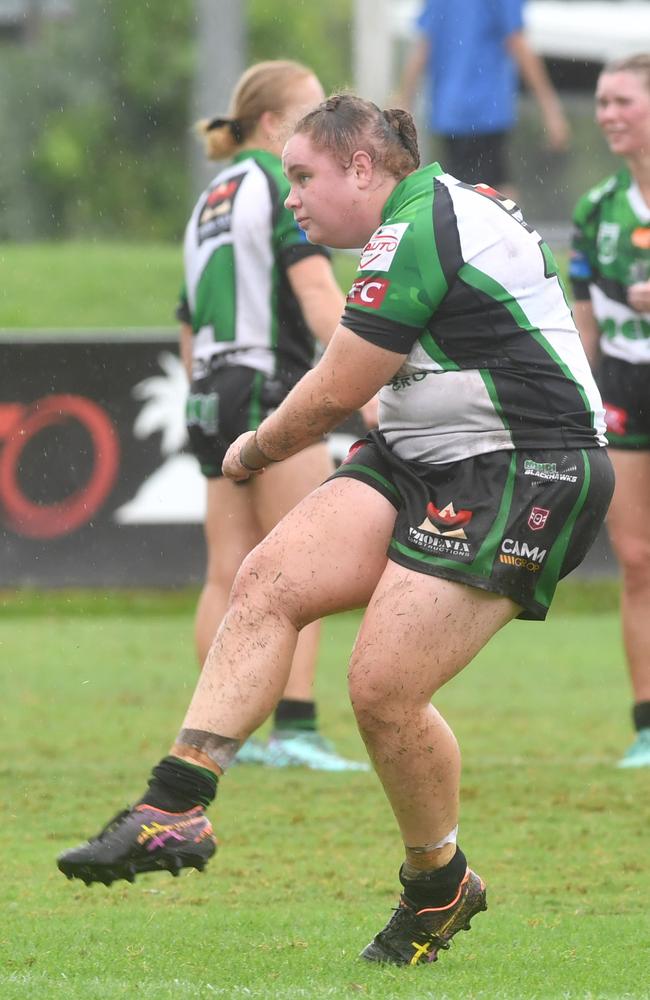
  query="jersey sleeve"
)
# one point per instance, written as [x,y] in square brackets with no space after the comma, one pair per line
[298,251]
[583,247]
[391,301]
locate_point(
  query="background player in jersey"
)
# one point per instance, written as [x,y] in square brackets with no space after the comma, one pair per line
[471,55]
[610,272]
[256,294]
[486,481]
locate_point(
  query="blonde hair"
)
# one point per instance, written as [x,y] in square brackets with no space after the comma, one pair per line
[639,63]
[265,86]
[344,123]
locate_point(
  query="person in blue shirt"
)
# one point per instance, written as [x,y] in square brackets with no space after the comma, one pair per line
[472,55]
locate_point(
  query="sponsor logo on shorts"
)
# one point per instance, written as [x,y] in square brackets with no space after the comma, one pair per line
[549,472]
[447,521]
[537,518]
[368,292]
[442,532]
[438,545]
[520,563]
[521,555]
[379,251]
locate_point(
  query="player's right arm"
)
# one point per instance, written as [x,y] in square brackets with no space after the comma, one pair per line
[413,71]
[186,333]
[185,348]
[536,78]
[350,372]
[581,276]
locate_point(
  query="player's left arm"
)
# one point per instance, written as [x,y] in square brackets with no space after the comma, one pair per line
[349,373]
[186,338]
[585,320]
[536,78]
[638,296]
[316,289]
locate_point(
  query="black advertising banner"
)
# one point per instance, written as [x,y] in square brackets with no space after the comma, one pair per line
[91,434]
[96,488]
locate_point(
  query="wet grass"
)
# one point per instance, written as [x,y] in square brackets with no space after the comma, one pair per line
[93,691]
[89,285]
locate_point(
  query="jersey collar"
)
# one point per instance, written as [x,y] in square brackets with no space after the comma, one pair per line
[255,154]
[414,183]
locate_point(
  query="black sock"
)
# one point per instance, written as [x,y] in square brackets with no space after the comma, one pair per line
[641,715]
[438,887]
[176,785]
[293,714]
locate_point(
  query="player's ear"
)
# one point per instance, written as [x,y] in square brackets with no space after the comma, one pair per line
[362,166]
[273,126]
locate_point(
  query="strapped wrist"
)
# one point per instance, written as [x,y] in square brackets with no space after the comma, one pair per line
[252,457]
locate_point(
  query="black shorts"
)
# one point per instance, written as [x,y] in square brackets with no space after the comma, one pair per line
[625,389]
[478,159]
[223,404]
[511,522]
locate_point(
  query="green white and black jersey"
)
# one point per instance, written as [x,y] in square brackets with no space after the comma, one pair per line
[239,242]
[611,250]
[456,279]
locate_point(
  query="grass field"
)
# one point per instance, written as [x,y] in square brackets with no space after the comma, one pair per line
[81,286]
[94,688]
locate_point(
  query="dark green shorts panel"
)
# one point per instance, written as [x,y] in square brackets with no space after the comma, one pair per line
[225,403]
[510,522]
[625,389]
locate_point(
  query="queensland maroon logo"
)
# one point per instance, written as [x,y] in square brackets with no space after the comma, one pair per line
[538,518]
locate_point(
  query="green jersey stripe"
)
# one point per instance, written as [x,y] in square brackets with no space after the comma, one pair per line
[472,276]
[550,573]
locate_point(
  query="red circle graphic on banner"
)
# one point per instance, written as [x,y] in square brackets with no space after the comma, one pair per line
[36,520]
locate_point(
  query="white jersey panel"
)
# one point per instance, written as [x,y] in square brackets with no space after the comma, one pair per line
[196,254]
[254,267]
[250,235]
[414,415]
[498,245]
[610,313]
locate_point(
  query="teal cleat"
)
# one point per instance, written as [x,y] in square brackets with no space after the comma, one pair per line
[638,754]
[251,752]
[289,748]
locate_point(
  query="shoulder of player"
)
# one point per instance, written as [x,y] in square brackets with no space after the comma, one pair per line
[592,202]
[260,172]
